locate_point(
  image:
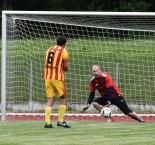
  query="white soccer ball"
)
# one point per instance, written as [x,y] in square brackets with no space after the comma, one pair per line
[106,112]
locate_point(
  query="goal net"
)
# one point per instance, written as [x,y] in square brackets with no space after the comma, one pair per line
[122,44]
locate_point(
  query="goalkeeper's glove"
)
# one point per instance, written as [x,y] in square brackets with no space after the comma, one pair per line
[85,107]
[108,104]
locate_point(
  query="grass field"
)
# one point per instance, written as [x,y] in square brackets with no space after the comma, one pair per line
[80,133]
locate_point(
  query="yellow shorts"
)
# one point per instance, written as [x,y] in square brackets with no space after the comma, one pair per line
[54,87]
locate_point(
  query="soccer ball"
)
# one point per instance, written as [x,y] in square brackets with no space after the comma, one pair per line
[106,112]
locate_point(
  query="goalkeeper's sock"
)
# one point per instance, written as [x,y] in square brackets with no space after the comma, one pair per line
[48,111]
[62,110]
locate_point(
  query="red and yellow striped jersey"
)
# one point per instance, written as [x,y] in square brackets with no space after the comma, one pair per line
[54,58]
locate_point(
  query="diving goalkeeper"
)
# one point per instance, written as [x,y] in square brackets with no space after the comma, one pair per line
[110,94]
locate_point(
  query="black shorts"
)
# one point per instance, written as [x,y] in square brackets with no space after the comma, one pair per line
[119,102]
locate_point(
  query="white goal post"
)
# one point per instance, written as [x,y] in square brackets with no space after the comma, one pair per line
[122,43]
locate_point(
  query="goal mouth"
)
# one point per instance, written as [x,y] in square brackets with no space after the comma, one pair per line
[122,44]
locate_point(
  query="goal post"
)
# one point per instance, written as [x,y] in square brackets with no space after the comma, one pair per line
[121,43]
[3,69]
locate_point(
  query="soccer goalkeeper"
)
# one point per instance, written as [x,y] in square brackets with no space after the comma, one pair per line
[110,94]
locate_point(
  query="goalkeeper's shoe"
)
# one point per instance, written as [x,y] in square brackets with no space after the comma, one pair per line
[63,124]
[48,126]
[143,121]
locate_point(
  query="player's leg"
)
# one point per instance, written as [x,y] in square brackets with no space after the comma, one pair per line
[62,110]
[62,107]
[61,88]
[50,92]
[99,103]
[48,110]
[135,116]
[122,105]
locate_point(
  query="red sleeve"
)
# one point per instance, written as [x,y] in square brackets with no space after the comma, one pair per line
[92,89]
[109,81]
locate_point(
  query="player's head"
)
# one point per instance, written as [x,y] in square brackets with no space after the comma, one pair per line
[96,71]
[61,41]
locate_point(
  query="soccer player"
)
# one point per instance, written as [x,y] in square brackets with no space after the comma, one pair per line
[110,94]
[56,64]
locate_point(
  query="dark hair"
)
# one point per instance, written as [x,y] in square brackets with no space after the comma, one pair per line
[61,40]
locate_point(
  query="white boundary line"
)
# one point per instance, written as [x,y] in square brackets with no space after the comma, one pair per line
[68,114]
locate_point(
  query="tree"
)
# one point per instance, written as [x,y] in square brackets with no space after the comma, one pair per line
[135,6]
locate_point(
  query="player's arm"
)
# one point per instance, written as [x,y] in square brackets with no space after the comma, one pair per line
[110,90]
[109,85]
[65,60]
[89,101]
[65,66]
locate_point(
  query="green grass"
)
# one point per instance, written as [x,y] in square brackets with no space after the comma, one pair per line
[81,133]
